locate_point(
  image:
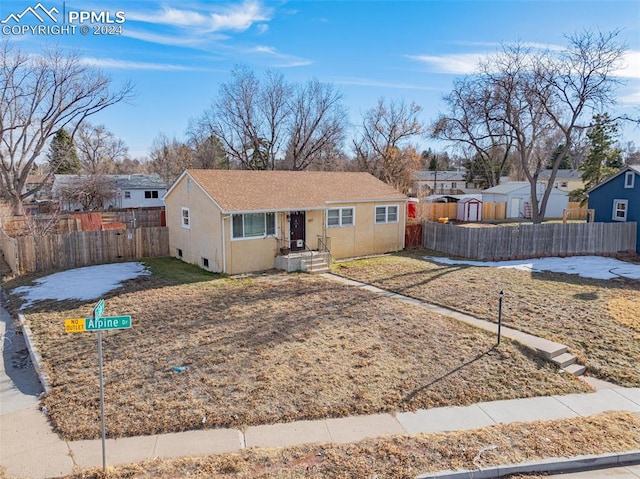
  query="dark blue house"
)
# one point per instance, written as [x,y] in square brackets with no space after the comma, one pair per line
[618,198]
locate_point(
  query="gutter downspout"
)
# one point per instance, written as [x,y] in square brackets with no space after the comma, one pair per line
[404,226]
[224,249]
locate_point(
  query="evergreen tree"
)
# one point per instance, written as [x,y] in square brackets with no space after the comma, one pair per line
[565,162]
[63,158]
[603,159]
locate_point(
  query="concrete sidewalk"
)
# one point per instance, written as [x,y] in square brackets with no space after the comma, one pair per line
[29,448]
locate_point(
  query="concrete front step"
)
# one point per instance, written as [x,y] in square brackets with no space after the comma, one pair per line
[575,369]
[563,360]
[316,269]
[315,264]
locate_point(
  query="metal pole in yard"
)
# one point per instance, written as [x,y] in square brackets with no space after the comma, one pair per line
[500,315]
[104,454]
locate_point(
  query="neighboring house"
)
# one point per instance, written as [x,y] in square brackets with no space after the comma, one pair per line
[123,191]
[618,198]
[239,221]
[428,182]
[33,181]
[566,180]
[517,195]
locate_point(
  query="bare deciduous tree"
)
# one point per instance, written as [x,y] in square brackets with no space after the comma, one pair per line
[470,124]
[99,150]
[169,157]
[383,147]
[316,125]
[541,101]
[90,192]
[270,124]
[207,152]
[40,94]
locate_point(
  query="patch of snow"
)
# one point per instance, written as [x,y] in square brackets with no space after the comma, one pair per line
[595,267]
[86,283]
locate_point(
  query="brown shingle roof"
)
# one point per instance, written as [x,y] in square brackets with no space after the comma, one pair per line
[245,190]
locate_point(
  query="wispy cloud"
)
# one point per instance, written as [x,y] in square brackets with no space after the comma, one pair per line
[498,45]
[211,27]
[467,63]
[171,39]
[368,82]
[112,63]
[455,63]
[631,65]
[278,59]
[236,17]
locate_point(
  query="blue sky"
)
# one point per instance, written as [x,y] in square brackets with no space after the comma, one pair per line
[177,53]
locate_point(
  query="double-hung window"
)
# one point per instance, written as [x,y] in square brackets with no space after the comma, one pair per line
[620,210]
[387,214]
[186,220]
[254,225]
[340,217]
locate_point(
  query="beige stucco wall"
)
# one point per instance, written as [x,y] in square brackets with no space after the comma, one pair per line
[366,237]
[247,255]
[204,237]
[208,226]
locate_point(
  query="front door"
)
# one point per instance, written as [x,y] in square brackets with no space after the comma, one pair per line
[296,230]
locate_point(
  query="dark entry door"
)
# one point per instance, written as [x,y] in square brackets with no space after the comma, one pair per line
[296,230]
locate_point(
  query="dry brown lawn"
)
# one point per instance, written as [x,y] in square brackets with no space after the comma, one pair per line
[404,457]
[597,319]
[267,349]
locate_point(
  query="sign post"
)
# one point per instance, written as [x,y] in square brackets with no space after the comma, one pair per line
[99,323]
[500,315]
[102,424]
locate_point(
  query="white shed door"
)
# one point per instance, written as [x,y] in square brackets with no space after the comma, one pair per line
[514,208]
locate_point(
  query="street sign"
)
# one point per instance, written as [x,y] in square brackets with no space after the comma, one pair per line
[99,323]
[99,309]
[107,322]
[76,325]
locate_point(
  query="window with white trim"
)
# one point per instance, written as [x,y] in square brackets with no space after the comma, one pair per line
[387,214]
[629,179]
[340,217]
[620,208]
[186,220]
[253,225]
[127,195]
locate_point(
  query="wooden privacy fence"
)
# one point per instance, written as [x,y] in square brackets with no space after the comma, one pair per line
[73,250]
[434,211]
[9,248]
[85,221]
[490,211]
[528,240]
